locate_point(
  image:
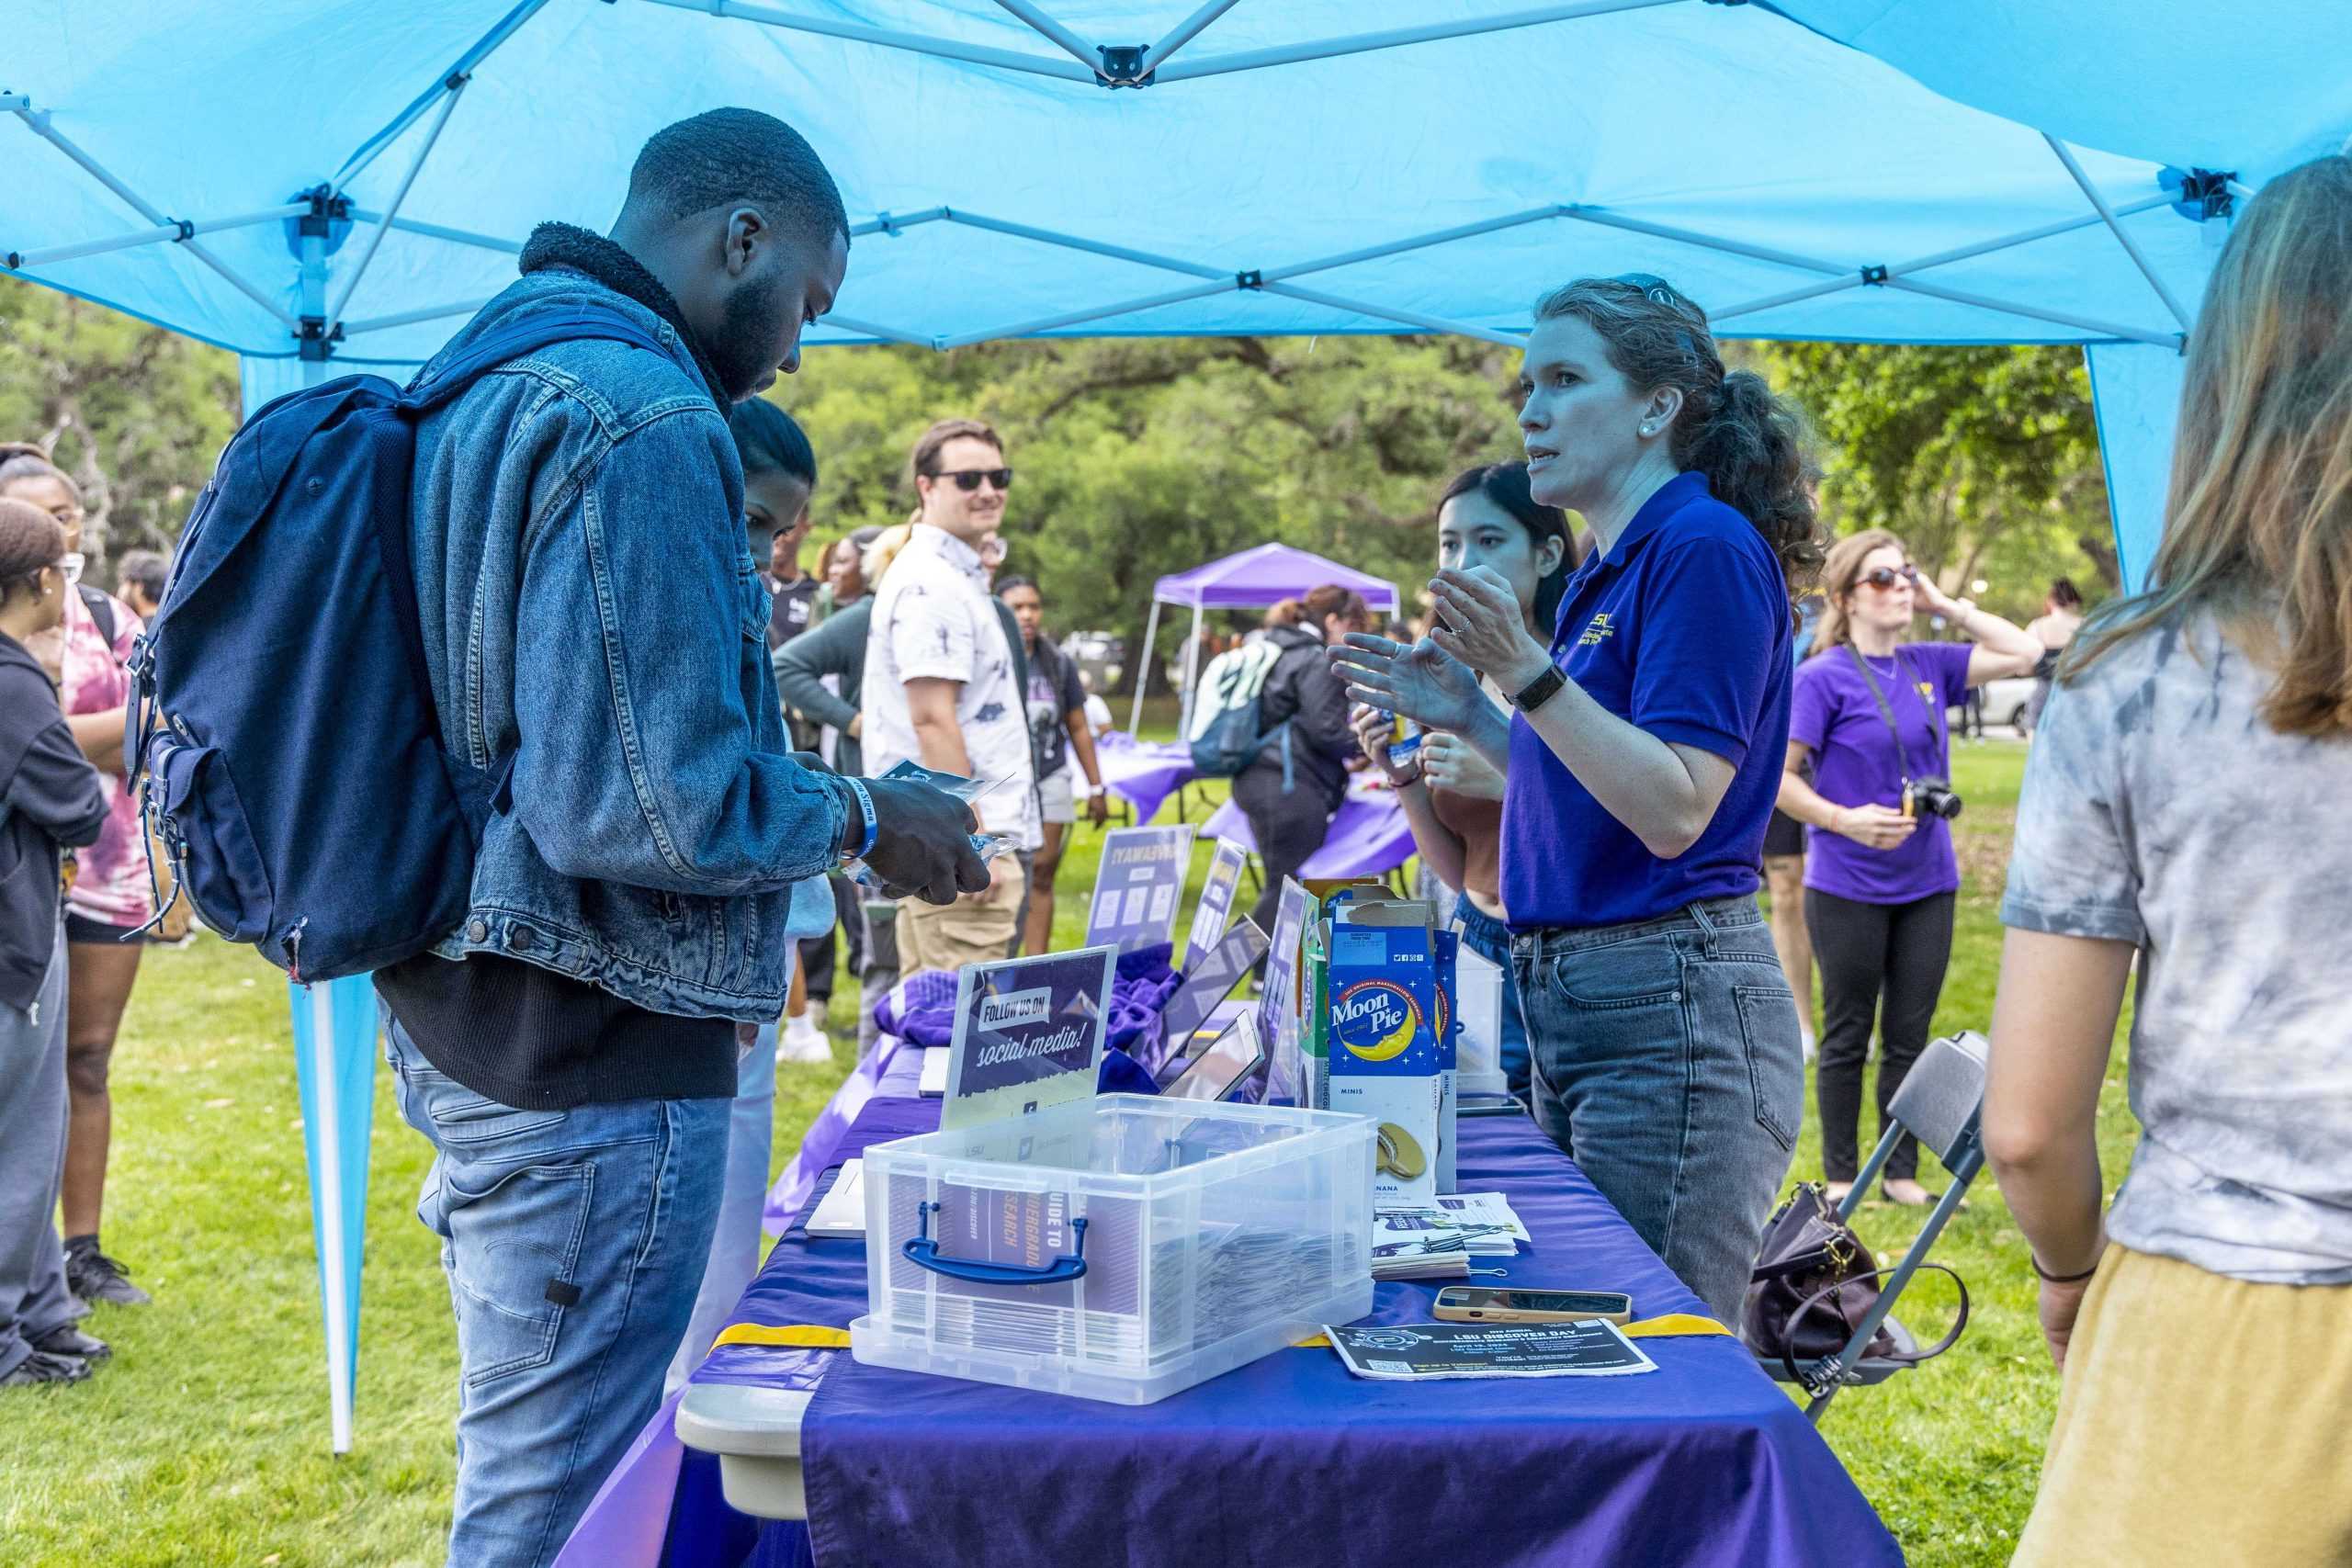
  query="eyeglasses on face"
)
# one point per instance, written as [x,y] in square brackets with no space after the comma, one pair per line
[968,480]
[1888,576]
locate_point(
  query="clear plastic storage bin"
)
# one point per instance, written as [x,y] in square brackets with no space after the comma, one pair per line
[1119,1248]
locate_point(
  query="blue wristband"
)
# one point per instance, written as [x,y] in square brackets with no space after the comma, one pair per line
[873,823]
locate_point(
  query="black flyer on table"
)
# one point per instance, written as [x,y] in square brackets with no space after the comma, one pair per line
[1423,1351]
[1028,1035]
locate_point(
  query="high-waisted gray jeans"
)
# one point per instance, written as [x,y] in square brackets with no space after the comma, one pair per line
[1666,1062]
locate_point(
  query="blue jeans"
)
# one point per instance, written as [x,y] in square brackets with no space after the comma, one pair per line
[573,1242]
[1665,1063]
[1490,938]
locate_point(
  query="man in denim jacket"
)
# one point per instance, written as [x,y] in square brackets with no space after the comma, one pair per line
[591,614]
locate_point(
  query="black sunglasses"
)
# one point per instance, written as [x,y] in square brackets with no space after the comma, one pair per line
[1887,576]
[968,480]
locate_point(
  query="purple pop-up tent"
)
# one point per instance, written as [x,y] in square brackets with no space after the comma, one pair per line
[1251,580]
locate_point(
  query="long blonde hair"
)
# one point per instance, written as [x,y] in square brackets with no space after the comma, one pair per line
[2258,521]
[1840,574]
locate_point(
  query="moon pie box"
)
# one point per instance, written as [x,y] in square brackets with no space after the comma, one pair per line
[1391,1034]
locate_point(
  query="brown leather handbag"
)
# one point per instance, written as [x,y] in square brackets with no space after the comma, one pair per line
[1815,1282]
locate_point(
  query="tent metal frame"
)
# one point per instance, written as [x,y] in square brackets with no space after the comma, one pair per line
[37,123]
[1191,652]
[321,324]
[1142,65]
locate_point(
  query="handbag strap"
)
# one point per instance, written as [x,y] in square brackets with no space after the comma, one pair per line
[1908,1357]
[1887,709]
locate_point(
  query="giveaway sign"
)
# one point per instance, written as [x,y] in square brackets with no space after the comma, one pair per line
[1136,890]
[1028,1035]
[1216,902]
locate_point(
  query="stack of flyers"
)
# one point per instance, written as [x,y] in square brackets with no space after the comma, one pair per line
[987,846]
[1491,1212]
[1421,1243]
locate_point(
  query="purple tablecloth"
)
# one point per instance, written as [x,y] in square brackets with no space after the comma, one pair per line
[1369,836]
[1143,771]
[893,1069]
[1287,1460]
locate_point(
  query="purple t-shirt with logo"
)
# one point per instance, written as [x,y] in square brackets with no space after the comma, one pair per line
[1855,764]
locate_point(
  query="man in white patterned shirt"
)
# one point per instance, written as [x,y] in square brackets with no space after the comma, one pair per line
[940,685]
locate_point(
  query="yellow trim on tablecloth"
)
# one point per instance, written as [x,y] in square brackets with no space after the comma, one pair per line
[790,1336]
[809,1337]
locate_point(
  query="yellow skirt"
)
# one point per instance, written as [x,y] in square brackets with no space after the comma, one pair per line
[2203,1421]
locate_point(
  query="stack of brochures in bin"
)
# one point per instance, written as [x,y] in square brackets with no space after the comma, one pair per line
[1122,1248]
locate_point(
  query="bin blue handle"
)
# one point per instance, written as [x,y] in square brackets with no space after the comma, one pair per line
[924,1253]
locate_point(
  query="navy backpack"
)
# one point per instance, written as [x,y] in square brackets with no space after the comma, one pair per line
[284,742]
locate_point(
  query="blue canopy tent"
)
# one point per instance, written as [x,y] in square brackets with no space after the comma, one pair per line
[330,185]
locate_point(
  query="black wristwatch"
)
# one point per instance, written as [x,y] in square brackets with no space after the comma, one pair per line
[1538,690]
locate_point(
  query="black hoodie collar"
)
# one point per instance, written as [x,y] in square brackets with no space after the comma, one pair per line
[585,251]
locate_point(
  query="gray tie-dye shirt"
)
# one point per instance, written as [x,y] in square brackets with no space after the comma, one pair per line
[2159,809]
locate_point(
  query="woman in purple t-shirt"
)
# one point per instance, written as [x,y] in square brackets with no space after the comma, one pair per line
[1881,878]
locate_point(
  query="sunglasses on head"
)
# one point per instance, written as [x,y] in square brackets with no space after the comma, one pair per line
[1888,576]
[968,480]
[1658,290]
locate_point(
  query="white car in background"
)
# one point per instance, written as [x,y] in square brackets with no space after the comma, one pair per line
[2005,701]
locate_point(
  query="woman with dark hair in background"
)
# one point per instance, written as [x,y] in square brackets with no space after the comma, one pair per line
[1453,797]
[2184,806]
[1642,762]
[1289,791]
[1880,879]
[842,567]
[50,799]
[1058,732]
[2060,618]
[111,896]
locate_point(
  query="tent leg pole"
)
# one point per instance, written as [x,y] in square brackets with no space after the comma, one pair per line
[329,1179]
[1143,669]
[314,304]
[1192,675]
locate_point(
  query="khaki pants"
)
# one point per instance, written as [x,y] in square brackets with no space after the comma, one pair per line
[2200,1423]
[977,930]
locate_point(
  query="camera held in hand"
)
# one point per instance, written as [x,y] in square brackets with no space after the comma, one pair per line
[1930,798]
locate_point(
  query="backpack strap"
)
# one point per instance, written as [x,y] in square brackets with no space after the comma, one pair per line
[101,610]
[499,346]
[506,344]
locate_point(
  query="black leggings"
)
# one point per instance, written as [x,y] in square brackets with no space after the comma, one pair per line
[1864,948]
[1288,828]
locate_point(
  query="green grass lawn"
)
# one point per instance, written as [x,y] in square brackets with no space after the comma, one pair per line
[205,1440]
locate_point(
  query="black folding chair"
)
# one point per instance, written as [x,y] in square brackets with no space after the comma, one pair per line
[1940,1103]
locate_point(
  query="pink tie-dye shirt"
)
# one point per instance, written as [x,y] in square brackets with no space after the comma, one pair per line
[112,887]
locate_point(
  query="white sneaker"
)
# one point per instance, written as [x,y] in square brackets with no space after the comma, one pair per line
[803,1042]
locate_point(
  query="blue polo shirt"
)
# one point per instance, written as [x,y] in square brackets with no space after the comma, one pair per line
[1682,629]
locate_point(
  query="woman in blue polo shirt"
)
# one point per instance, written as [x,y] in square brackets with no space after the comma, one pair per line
[1642,760]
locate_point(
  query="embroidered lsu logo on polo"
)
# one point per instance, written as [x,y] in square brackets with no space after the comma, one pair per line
[1602,625]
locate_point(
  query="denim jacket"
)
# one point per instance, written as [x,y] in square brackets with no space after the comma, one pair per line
[592,610]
